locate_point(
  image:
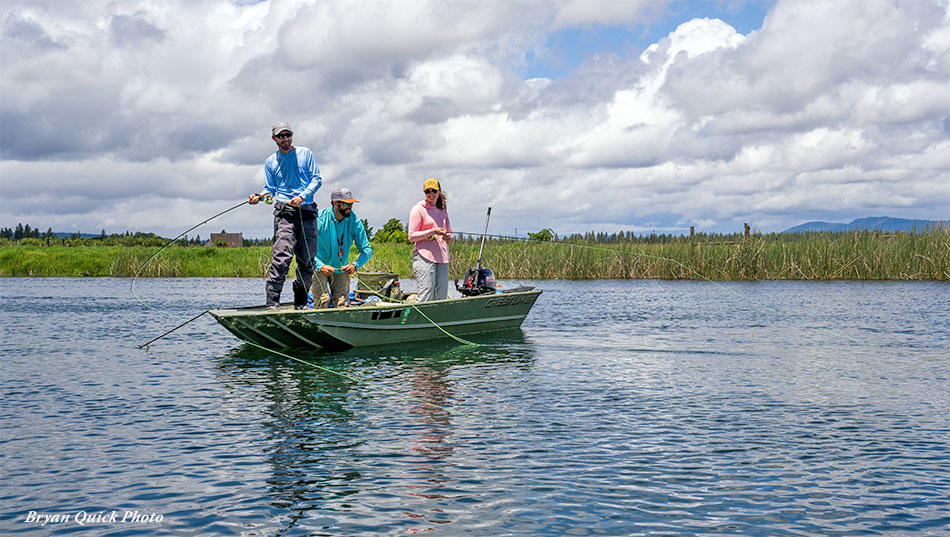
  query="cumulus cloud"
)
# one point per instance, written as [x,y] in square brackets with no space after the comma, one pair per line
[150,115]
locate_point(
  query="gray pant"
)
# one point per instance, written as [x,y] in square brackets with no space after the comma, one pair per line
[295,234]
[432,279]
[337,285]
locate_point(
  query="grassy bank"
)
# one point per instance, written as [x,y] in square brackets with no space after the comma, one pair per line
[125,261]
[816,256]
[825,256]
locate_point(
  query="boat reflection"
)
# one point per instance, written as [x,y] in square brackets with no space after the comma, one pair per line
[370,442]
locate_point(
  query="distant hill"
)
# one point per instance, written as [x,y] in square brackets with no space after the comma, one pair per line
[873,223]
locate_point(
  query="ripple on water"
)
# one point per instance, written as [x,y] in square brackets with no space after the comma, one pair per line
[671,408]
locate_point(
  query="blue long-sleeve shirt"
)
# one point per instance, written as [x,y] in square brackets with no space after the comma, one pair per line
[334,239]
[292,174]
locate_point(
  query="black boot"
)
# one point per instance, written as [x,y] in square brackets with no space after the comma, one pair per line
[300,295]
[272,293]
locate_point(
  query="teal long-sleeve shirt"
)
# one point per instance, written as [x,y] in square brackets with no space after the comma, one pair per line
[334,239]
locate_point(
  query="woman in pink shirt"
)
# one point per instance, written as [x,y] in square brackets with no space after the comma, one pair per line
[431,232]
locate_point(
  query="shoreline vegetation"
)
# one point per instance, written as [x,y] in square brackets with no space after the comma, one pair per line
[866,255]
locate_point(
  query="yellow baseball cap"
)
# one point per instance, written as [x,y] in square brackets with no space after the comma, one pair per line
[431,183]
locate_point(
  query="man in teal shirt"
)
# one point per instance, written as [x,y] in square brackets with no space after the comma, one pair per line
[338,229]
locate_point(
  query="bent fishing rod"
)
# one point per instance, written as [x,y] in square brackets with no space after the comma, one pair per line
[268,199]
[173,241]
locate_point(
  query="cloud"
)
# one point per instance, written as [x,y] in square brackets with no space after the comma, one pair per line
[152,115]
[132,31]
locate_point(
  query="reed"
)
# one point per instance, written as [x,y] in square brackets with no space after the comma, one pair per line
[119,261]
[813,256]
[819,256]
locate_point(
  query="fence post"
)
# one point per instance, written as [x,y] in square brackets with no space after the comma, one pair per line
[746,226]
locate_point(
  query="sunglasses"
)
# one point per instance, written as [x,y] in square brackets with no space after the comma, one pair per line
[284,134]
[344,205]
[431,191]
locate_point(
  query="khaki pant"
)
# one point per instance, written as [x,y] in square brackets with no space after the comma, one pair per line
[432,279]
[337,286]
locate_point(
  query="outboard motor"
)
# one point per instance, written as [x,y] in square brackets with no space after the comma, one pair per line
[478,280]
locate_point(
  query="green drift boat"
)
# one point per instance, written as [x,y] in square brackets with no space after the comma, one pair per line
[382,323]
[482,308]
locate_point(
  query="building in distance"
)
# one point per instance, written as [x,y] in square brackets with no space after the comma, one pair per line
[234,240]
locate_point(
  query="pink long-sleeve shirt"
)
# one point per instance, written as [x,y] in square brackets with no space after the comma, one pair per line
[423,218]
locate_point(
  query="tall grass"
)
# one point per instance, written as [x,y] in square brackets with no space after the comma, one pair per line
[813,256]
[126,261]
[825,256]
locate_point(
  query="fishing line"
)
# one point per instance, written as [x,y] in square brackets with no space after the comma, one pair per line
[171,242]
[679,263]
[413,305]
[348,376]
[297,274]
[354,378]
[435,324]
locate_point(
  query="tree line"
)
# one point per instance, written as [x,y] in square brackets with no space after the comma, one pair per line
[23,232]
[394,231]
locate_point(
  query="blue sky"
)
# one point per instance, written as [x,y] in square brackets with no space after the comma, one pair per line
[150,115]
[568,48]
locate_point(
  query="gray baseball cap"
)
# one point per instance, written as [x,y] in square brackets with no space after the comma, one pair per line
[280,127]
[344,195]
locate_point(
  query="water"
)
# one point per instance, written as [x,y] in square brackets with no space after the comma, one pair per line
[620,408]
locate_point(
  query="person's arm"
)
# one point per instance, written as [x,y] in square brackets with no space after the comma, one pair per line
[270,186]
[447,236]
[416,217]
[312,171]
[362,243]
[323,244]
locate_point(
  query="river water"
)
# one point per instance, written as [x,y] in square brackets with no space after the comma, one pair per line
[620,408]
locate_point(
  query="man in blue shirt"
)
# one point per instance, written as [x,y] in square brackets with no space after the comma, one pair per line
[291,179]
[337,229]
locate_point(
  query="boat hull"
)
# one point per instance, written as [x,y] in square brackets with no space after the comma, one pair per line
[383,324]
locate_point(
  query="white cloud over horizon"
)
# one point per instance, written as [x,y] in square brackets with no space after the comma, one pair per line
[152,116]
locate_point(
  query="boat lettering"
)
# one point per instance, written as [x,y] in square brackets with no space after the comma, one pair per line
[512,300]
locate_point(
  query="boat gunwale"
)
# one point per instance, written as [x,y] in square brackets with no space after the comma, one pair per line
[254,311]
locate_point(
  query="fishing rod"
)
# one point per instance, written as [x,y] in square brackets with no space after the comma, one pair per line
[478,280]
[171,242]
[482,247]
[153,340]
[268,199]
